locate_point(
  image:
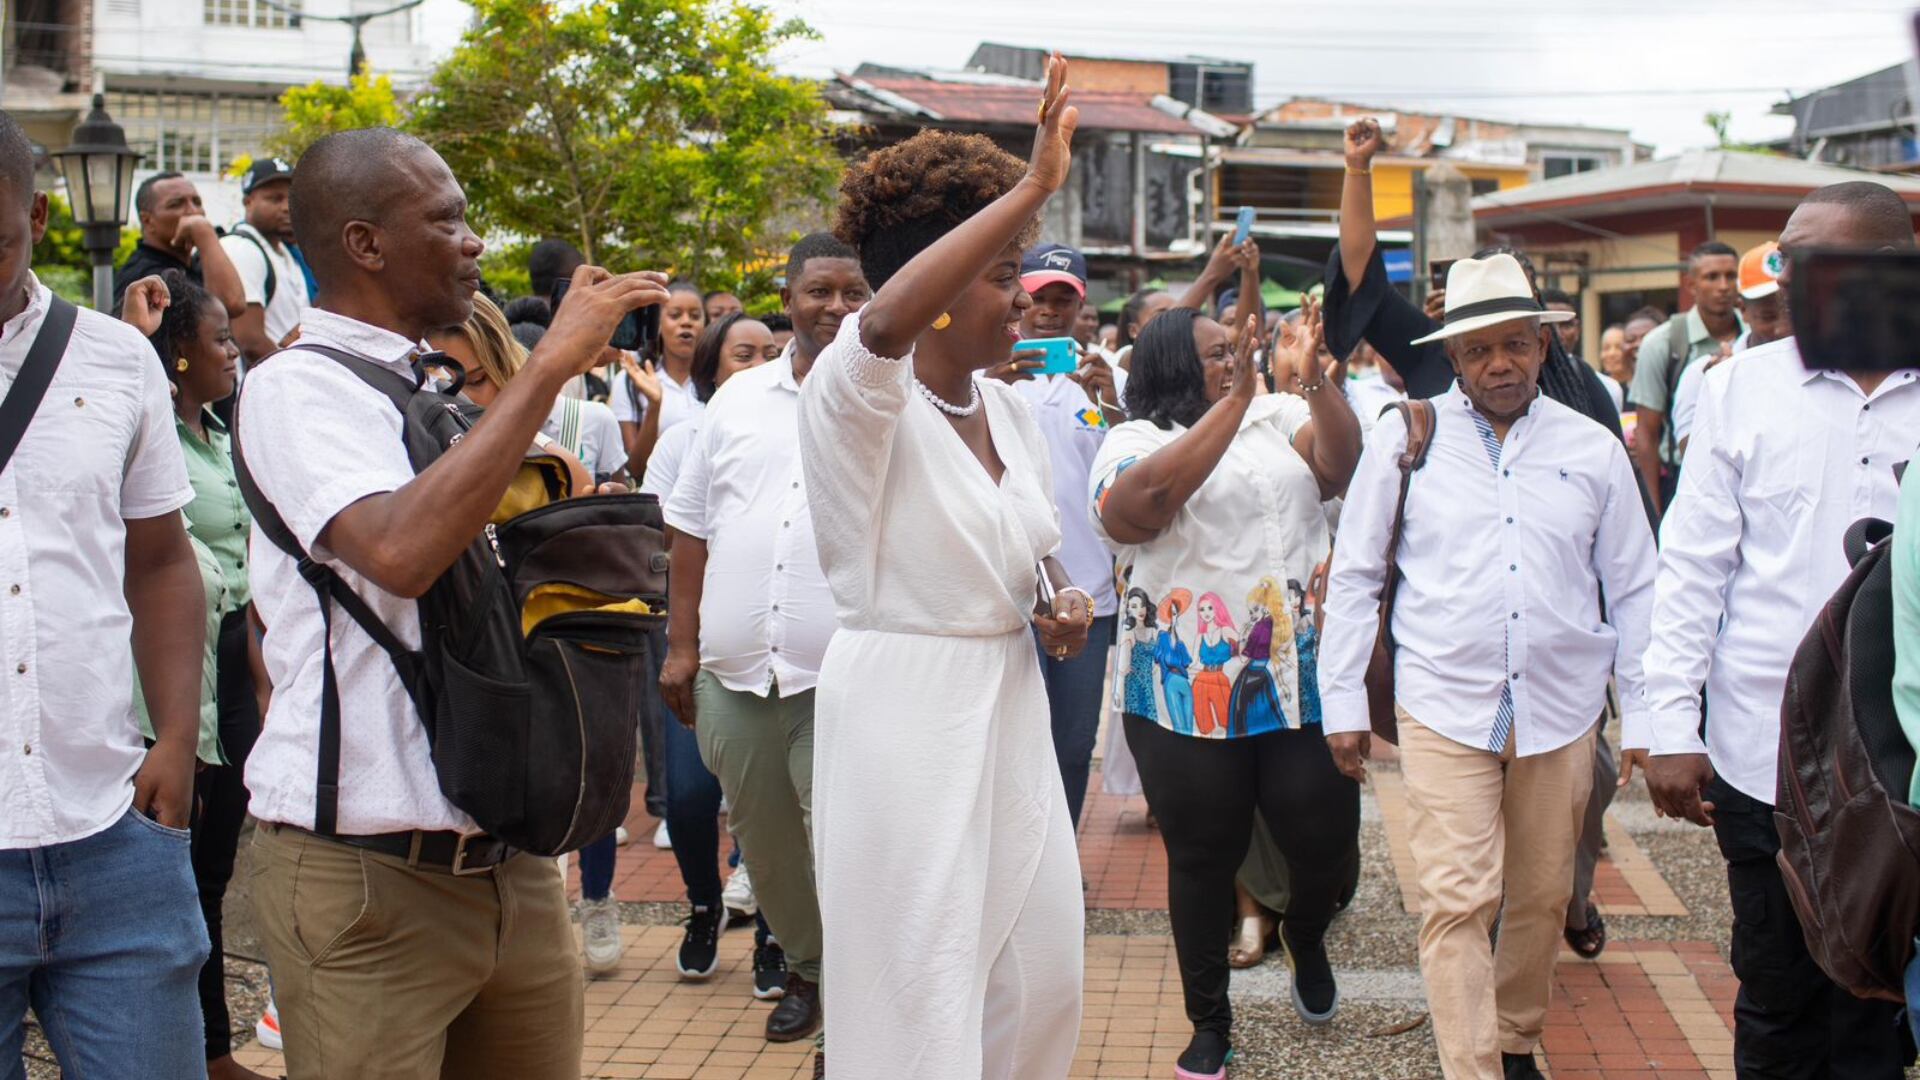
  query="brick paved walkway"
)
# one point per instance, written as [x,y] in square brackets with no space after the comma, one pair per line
[1645,1010]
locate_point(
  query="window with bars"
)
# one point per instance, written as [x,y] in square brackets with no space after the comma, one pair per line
[253,13]
[193,132]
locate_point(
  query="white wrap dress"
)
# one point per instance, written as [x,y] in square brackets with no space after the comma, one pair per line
[949,881]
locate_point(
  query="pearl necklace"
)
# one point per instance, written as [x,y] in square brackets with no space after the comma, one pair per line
[945,406]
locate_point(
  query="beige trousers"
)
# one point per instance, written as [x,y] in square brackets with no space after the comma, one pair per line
[1468,808]
[388,972]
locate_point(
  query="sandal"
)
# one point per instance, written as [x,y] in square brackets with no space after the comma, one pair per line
[1249,945]
[1591,941]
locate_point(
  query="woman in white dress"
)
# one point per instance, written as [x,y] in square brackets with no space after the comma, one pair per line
[949,883]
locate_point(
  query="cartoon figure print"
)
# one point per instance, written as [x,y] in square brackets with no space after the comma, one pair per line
[1257,705]
[1306,644]
[1174,659]
[1143,634]
[1212,693]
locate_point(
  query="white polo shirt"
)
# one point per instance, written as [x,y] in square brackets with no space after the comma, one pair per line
[677,401]
[251,253]
[766,613]
[318,440]
[101,451]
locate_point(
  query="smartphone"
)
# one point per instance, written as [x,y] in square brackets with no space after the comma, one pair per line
[1437,273]
[1243,226]
[1856,310]
[634,333]
[1062,355]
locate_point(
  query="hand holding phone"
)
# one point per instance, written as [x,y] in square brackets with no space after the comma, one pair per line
[1059,356]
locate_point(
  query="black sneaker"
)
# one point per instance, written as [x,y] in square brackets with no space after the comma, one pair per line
[1316,997]
[700,949]
[1206,1057]
[769,971]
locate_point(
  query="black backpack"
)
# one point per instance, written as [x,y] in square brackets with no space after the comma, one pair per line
[533,655]
[1849,840]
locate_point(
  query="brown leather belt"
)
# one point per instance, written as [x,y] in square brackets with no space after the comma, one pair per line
[458,853]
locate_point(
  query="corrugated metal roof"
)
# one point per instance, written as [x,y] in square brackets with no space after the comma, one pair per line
[975,102]
[1877,99]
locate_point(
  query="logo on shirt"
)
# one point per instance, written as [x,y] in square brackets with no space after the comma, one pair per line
[1091,418]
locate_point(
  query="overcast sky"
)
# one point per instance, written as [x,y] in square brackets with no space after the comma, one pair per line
[1655,67]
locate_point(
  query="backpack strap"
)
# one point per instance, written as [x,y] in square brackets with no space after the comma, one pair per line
[1421,418]
[328,590]
[266,257]
[36,374]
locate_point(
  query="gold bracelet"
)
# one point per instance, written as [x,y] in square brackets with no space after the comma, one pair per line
[1351,171]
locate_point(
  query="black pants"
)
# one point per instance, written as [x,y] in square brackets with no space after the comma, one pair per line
[1204,793]
[220,800]
[1790,1022]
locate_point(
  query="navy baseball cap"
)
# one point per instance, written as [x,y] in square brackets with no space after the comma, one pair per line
[1050,263]
[265,171]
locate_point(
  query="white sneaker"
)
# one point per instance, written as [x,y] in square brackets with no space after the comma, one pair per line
[620,837]
[267,1031]
[600,944]
[660,838]
[738,895]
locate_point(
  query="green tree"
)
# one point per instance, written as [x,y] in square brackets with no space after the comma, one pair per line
[321,108]
[652,133]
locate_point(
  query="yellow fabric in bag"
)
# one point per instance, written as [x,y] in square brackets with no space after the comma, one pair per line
[560,598]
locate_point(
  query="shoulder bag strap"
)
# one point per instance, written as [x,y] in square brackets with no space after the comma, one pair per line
[1679,346]
[1420,417]
[36,374]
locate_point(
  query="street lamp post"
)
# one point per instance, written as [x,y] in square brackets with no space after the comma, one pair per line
[98,168]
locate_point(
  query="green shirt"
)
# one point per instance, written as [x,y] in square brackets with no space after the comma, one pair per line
[1906,614]
[1653,380]
[211,579]
[217,516]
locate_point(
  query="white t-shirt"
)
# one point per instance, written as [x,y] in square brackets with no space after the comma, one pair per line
[1368,396]
[1075,428]
[595,439]
[251,254]
[663,465]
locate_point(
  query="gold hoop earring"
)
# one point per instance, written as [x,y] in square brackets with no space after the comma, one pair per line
[945,320]
[180,365]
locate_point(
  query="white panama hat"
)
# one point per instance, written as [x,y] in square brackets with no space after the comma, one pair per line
[1487,292]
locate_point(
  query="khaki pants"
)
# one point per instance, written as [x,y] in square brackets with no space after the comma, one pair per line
[386,972]
[1468,809]
[761,748]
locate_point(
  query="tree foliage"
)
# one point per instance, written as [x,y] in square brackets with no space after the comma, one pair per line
[651,133]
[321,108]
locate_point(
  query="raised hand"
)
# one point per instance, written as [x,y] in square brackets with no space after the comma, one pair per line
[644,378]
[1245,377]
[1362,142]
[146,301]
[596,302]
[1053,138]
[1296,349]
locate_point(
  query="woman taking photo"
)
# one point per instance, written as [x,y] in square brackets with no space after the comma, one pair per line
[1214,490]
[188,328]
[933,509]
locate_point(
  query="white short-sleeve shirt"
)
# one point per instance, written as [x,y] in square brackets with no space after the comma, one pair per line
[1221,592]
[317,440]
[101,451]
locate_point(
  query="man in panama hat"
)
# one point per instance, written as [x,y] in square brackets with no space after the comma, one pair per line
[1522,515]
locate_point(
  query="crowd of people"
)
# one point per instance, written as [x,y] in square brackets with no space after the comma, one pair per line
[903,567]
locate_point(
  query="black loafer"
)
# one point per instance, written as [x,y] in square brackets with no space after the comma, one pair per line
[798,1014]
[1519,1067]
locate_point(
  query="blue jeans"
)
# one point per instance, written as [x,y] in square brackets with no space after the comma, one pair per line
[693,818]
[103,937]
[1073,696]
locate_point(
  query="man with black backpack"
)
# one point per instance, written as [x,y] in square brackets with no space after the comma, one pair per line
[261,249]
[1782,460]
[403,940]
